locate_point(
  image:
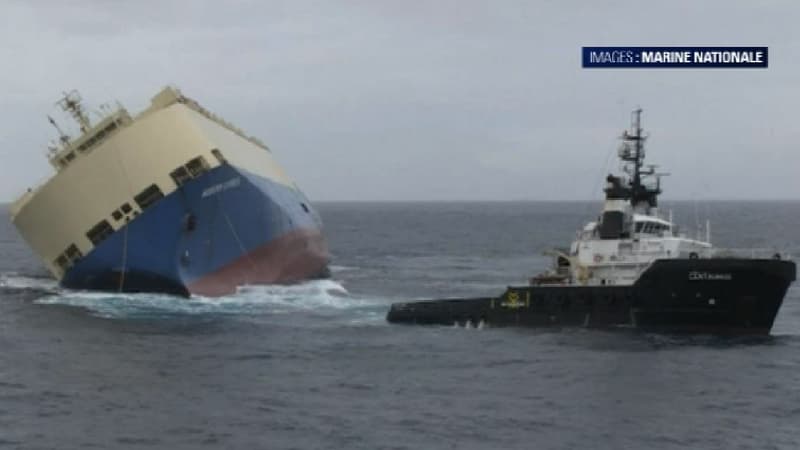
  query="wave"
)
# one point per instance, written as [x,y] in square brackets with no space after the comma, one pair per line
[317,295]
[338,268]
[14,280]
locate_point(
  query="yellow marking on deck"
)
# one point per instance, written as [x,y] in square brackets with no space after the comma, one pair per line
[513,301]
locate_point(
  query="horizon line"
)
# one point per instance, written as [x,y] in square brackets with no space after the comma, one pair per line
[522,200]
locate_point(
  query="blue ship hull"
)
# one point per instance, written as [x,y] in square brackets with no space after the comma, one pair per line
[225,228]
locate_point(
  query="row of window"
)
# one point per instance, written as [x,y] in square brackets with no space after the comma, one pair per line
[103,229]
[146,198]
[97,137]
[651,227]
[191,169]
[69,157]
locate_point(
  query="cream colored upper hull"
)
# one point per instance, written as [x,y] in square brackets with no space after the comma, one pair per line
[59,213]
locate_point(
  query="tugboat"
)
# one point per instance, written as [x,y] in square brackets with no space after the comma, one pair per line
[631,268]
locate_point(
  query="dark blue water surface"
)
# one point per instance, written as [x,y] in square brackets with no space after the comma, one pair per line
[316,366]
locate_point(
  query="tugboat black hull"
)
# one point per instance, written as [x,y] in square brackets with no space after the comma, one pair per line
[714,296]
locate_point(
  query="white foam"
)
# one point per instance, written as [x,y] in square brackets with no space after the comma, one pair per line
[15,281]
[274,299]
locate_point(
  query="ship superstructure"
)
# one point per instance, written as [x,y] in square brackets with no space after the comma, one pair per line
[172,200]
[630,232]
[632,268]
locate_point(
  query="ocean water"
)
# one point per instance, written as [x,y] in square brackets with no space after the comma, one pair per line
[316,365]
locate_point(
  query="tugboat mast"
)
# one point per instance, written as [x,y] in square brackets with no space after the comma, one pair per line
[637,138]
[640,193]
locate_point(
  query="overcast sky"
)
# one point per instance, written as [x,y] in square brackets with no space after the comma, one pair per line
[406,100]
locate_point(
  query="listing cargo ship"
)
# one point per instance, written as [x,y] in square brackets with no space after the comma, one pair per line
[174,200]
[632,268]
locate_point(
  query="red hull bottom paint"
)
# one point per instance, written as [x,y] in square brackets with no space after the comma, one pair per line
[295,256]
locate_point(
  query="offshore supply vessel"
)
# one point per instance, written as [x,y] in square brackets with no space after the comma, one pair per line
[631,268]
[174,200]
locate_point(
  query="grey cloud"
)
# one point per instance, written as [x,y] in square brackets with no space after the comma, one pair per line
[424,100]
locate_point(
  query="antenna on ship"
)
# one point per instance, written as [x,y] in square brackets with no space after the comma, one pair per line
[63,137]
[632,152]
[71,103]
[637,155]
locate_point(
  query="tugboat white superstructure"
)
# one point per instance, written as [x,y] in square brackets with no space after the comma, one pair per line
[632,268]
[629,234]
[173,200]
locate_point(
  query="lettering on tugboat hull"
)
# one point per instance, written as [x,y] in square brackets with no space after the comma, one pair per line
[709,276]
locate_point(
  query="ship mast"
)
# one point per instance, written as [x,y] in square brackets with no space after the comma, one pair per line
[636,157]
[71,103]
[632,152]
[638,140]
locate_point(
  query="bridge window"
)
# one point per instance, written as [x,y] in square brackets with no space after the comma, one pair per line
[148,196]
[97,137]
[651,227]
[99,232]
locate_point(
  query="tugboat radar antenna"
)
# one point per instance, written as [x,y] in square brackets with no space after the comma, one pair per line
[637,139]
[71,103]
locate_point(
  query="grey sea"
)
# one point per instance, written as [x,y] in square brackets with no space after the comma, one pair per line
[316,365]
